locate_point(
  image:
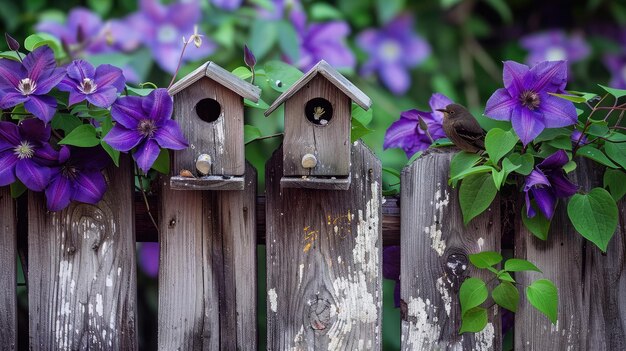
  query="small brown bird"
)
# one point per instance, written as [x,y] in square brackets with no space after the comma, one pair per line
[462,128]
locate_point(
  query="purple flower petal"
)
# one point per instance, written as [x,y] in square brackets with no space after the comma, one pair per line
[557,112]
[170,136]
[90,187]
[49,81]
[513,76]
[146,154]
[228,5]
[104,97]
[416,50]
[395,78]
[10,99]
[562,186]
[110,75]
[536,178]
[555,161]
[46,155]
[501,105]
[401,133]
[527,124]
[9,132]
[34,129]
[127,111]
[34,176]
[64,154]
[8,160]
[78,70]
[158,104]
[530,211]
[39,61]
[59,193]
[122,139]
[41,106]
[75,96]
[391,262]
[149,258]
[11,72]
[545,200]
[438,101]
[547,76]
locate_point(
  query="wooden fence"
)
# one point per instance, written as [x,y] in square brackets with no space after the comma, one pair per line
[324,257]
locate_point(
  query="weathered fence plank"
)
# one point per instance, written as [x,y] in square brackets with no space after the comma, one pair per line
[207,275]
[434,258]
[82,272]
[8,260]
[324,260]
[591,285]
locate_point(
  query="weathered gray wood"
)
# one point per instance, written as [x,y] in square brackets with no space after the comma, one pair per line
[324,261]
[329,143]
[316,183]
[207,183]
[221,139]
[220,75]
[591,285]
[325,70]
[434,258]
[8,259]
[207,276]
[82,271]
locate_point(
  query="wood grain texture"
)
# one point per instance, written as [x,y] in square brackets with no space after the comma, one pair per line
[324,261]
[8,279]
[329,143]
[316,183]
[435,248]
[591,285]
[222,139]
[207,183]
[207,276]
[82,271]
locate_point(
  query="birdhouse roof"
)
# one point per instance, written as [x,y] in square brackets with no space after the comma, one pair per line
[220,75]
[328,72]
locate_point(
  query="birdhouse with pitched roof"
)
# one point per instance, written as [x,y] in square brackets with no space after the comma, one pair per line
[208,105]
[316,145]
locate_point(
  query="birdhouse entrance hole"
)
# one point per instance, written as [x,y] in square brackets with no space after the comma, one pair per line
[208,110]
[319,111]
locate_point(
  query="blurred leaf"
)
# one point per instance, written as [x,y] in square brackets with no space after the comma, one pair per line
[34,41]
[502,8]
[102,7]
[365,117]
[281,75]
[250,133]
[263,35]
[242,72]
[17,189]
[392,171]
[358,130]
[445,4]
[260,105]
[225,34]
[288,41]
[388,9]
[321,11]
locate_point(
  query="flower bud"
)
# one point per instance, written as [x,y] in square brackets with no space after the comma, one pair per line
[11,42]
[248,57]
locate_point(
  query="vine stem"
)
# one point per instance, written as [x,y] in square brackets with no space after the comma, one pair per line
[180,61]
[145,198]
[266,137]
[588,123]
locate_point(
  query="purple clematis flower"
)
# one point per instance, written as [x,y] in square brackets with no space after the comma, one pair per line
[145,123]
[28,82]
[391,269]
[149,259]
[616,64]
[393,50]
[407,134]
[546,183]
[163,27]
[99,85]
[25,153]
[77,177]
[227,5]
[525,99]
[323,41]
[554,45]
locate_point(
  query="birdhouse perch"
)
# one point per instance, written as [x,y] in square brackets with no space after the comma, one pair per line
[208,105]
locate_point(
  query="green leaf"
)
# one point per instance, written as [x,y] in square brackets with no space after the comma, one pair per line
[617,152]
[322,12]
[11,55]
[551,133]
[462,161]
[586,96]
[505,277]
[391,171]
[474,320]
[570,166]
[594,216]
[260,105]
[365,117]
[473,293]
[472,171]
[572,98]
[543,295]
[250,133]
[107,125]
[506,295]
[387,9]
[499,143]
[358,130]
[138,91]
[83,136]
[17,189]
[538,225]
[519,265]
[242,72]
[65,122]
[525,161]
[281,75]
[615,182]
[499,177]
[502,8]
[263,34]
[34,41]
[162,163]
[476,193]
[596,155]
[102,7]
[561,142]
[485,259]
[288,41]
[617,93]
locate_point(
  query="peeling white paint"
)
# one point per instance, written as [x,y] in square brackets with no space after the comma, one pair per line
[445,296]
[273,298]
[109,281]
[484,338]
[423,330]
[480,243]
[99,305]
[300,274]
[299,338]
[434,230]
[365,251]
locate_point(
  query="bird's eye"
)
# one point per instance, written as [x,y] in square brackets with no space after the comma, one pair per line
[451,112]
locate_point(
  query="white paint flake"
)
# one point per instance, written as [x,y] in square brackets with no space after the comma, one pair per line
[484,338]
[300,274]
[365,251]
[423,328]
[109,281]
[273,298]
[445,296]
[434,230]
[480,243]
[99,305]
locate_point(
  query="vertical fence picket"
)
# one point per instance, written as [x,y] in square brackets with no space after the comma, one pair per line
[8,260]
[324,260]
[82,272]
[591,284]
[207,276]
[434,258]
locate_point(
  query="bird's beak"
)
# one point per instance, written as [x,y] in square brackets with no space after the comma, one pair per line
[442,110]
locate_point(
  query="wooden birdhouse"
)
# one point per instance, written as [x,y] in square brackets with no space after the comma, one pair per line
[316,145]
[208,105]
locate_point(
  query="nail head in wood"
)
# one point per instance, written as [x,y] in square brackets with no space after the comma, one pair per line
[309,161]
[203,164]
